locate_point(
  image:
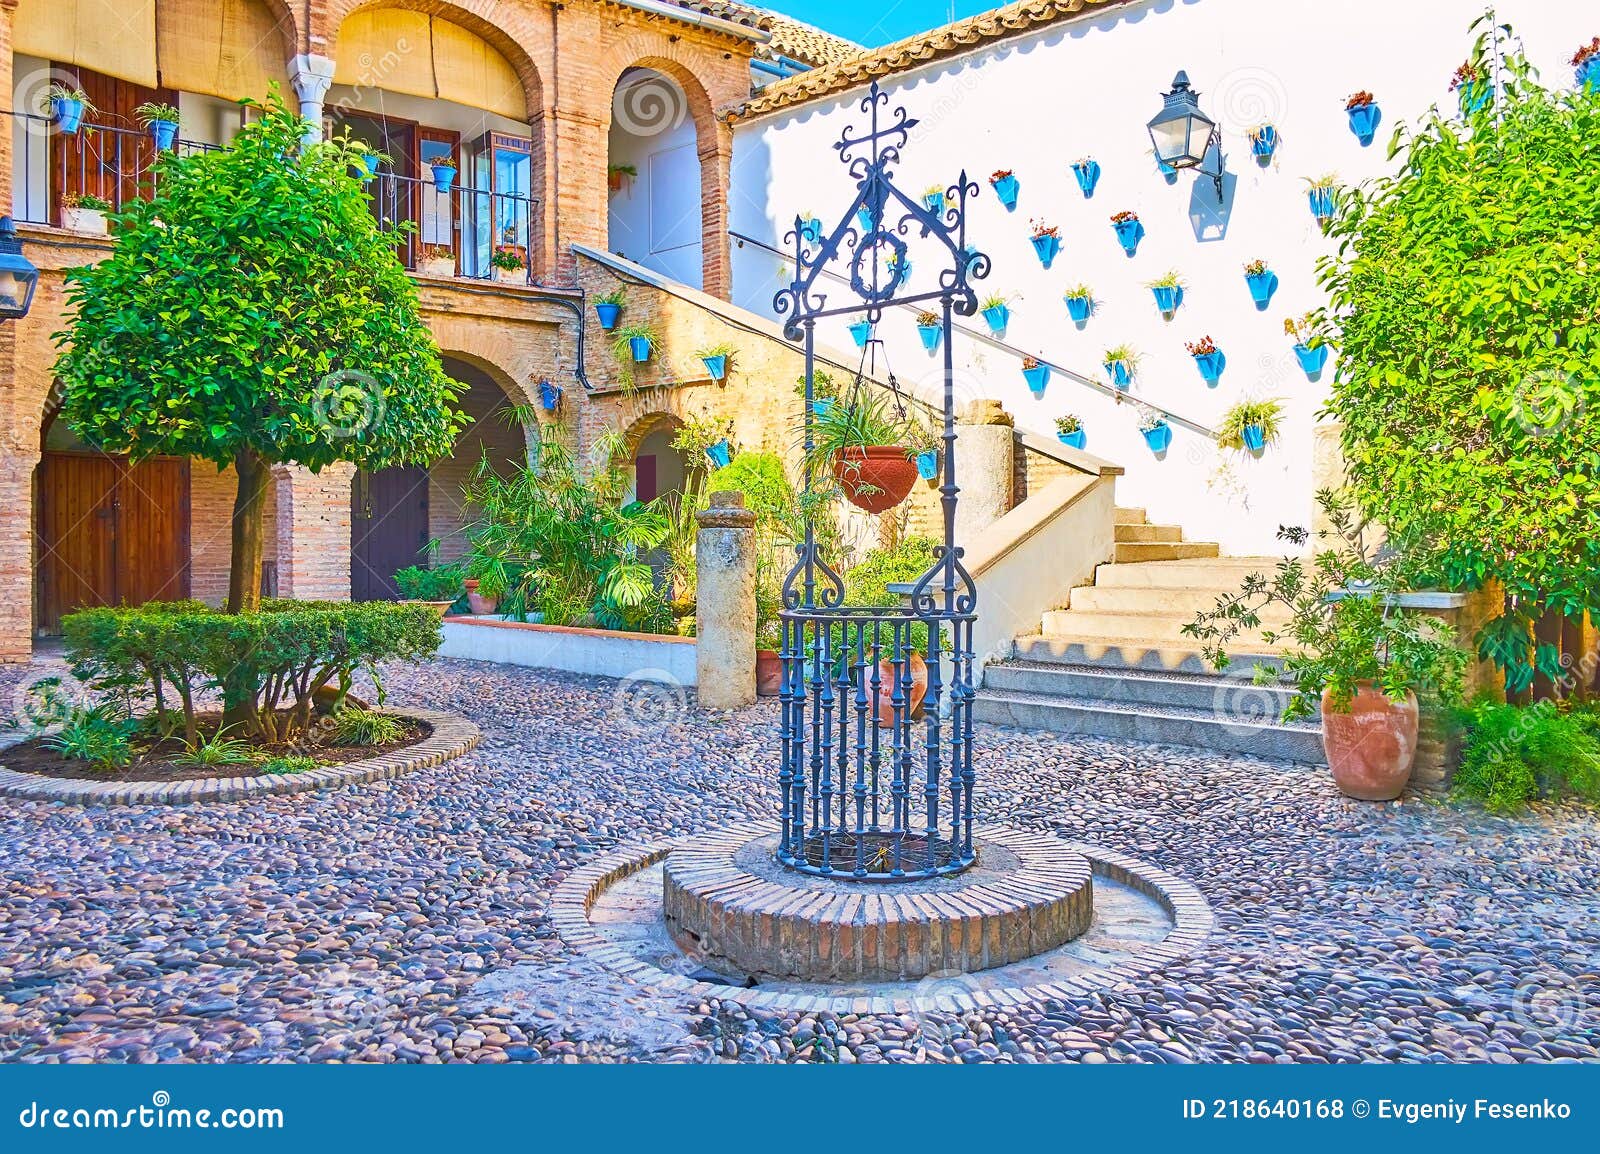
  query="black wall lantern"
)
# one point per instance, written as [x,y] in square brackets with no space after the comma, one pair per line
[1183,135]
[18,277]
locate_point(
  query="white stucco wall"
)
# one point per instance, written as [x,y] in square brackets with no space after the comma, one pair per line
[654,218]
[1086,88]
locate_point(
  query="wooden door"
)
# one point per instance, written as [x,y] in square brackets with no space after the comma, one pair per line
[110,165]
[109,533]
[388,529]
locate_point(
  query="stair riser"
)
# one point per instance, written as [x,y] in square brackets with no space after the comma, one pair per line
[1111,655]
[1148,533]
[1231,698]
[1224,576]
[1130,553]
[1068,719]
[1125,516]
[1184,603]
[1073,625]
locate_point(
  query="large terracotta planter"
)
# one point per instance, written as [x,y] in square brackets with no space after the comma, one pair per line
[883,708]
[876,477]
[479,604]
[1371,746]
[769,673]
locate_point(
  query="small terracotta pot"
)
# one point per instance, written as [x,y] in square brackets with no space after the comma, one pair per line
[769,673]
[479,604]
[1371,745]
[874,477]
[440,607]
[883,708]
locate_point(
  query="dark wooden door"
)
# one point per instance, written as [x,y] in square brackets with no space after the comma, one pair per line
[388,529]
[110,165]
[110,533]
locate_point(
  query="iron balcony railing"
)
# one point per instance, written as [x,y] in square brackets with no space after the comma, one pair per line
[469,224]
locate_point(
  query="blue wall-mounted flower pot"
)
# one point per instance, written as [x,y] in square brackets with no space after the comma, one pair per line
[1088,174]
[1077,439]
[1006,188]
[928,464]
[1364,122]
[369,163]
[1211,366]
[608,314]
[821,406]
[1167,299]
[549,396]
[717,366]
[1158,438]
[1263,143]
[1254,437]
[164,133]
[811,230]
[1079,308]
[1046,247]
[1474,96]
[933,202]
[900,270]
[67,113]
[931,336]
[640,346]
[1262,286]
[1121,373]
[1129,234]
[861,332]
[1037,377]
[1588,74]
[997,317]
[1323,202]
[1168,173]
[444,178]
[719,454]
[1312,359]
[864,219]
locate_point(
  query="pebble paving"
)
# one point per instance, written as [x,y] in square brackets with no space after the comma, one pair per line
[405,921]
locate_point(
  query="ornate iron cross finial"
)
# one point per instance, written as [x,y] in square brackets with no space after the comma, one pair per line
[886,141]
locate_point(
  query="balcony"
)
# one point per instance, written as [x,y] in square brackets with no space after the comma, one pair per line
[454,233]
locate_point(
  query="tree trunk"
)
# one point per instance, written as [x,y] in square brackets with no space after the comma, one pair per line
[244,572]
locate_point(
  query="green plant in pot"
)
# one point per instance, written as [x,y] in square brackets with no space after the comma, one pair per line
[438,587]
[1250,426]
[1354,653]
[861,442]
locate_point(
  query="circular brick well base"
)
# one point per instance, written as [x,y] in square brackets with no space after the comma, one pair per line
[728,903]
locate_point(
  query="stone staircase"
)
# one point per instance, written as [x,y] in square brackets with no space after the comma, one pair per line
[1114,662]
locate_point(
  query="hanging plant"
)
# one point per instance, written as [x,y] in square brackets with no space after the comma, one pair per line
[931,329]
[810,228]
[1309,348]
[609,307]
[1168,173]
[618,174]
[369,165]
[1168,292]
[1472,88]
[861,332]
[1586,65]
[823,391]
[862,442]
[717,358]
[1364,114]
[549,396]
[1263,143]
[996,313]
[1005,187]
[1262,281]
[1037,375]
[922,445]
[630,346]
[1157,433]
[1087,171]
[1122,365]
[705,437]
[1070,431]
[1046,242]
[1250,426]
[1207,358]
[161,121]
[1321,194]
[1129,229]
[933,198]
[66,106]
[1080,303]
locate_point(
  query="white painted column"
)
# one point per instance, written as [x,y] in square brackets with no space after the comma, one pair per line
[311,76]
[985,443]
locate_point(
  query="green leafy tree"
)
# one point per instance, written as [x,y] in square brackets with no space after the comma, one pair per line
[1465,303]
[253,312]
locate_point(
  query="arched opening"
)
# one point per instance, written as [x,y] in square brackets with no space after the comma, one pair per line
[654,180]
[414,514]
[426,90]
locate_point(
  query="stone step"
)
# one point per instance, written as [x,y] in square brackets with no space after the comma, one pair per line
[1184,603]
[1193,728]
[1220,573]
[1132,653]
[1159,629]
[1128,552]
[1126,516]
[1234,694]
[1148,533]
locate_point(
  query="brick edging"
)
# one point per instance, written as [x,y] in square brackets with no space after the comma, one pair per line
[452,736]
[1191,914]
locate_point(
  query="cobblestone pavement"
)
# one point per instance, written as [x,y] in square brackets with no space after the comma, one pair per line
[406,921]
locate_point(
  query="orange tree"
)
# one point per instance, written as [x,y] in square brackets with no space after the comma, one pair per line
[253,312]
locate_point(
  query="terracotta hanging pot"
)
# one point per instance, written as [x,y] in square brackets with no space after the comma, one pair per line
[883,707]
[875,477]
[769,673]
[1371,744]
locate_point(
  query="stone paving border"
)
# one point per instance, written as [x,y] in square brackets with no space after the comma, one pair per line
[452,736]
[1191,915]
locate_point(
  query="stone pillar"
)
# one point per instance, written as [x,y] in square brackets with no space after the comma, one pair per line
[725,603]
[311,76]
[1438,748]
[716,165]
[985,442]
[313,531]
